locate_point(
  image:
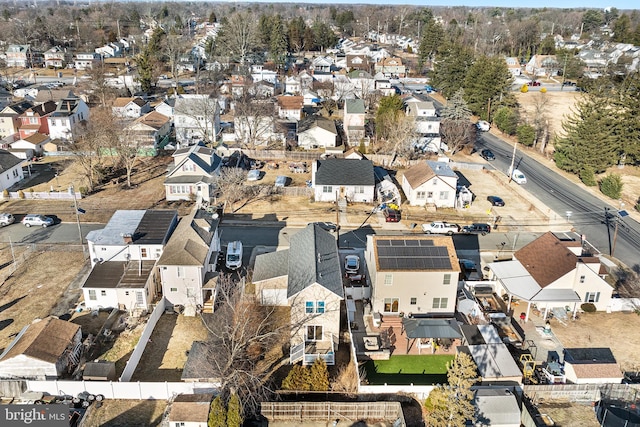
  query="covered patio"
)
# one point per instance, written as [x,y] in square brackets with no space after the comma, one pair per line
[432,334]
[518,283]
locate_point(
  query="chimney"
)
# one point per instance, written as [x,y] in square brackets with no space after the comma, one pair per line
[127,239]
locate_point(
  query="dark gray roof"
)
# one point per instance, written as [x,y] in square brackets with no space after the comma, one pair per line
[191,153]
[190,243]
[119,274]
[20,106]
[312,121]
[271,265]
[314,258]
[8,160]
[188,179]
[412,254]
[431,328]
[589,355]
[345,172]
[145,226]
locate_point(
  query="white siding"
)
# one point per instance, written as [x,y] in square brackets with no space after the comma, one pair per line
[27,367]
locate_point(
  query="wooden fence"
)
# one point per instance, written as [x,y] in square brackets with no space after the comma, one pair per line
[331,411]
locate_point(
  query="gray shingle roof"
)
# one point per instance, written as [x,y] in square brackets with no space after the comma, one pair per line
[345,172]
[8,160]
[145,226]
[314,258]
[354,106]
[311,122]
[271,265]
[189,244]
[441,168]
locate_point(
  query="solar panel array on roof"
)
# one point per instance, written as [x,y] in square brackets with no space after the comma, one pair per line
[412,254]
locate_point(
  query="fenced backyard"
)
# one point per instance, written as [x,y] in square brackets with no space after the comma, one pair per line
[408,369]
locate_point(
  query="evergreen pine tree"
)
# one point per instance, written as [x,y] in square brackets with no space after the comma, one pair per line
[319,375]
[297,379]
[451,68]
[217,414]
[234,412]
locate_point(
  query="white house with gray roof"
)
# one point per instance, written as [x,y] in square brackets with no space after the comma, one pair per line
[10,170]
[317,132]
[193,173]
[123,259]
[354,118]
[307,278]
[334,179]
[187,265]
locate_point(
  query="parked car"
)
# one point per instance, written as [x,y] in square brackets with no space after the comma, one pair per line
[37,220]
[282,181]
[568,83]
[495,200]
[483,126]
[534,83]
[487,154]
[352,264]
[6,219]
[440,227]
[477,228]
[391,215]
[253,175]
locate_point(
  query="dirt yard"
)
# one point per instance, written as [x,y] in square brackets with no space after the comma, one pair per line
[34,289]
[556,105]
[614,330]
[566,414]
[126,412]
[166,353]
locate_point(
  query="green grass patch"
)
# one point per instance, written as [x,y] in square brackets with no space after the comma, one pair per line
[408,369]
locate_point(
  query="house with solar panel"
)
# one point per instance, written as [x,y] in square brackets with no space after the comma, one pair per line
[412,275]
[307,278]
[334,179]
[123,259]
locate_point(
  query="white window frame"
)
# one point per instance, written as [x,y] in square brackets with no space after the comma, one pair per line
[315,334]
[440,302]
[390,302]
[327,189]
[446,280]
[92,295]
[388,279]
[592,297]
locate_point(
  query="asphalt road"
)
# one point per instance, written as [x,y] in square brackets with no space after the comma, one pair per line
[585,212]
[66,233]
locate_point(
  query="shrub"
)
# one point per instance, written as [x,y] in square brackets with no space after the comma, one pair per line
[524,88]
[588,307]
[362,148]
[21,194]
[637,204]
[5,193]
[543,90]
[611,185]
[526,134]
[587,176]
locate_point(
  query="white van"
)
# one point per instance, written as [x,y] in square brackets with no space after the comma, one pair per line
[233,260]
[518,177]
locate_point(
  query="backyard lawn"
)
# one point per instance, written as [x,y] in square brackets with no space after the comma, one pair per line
[408,369]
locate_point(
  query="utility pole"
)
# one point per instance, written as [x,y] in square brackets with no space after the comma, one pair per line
[606,221]
[75,206]
[564,70]
[513,161]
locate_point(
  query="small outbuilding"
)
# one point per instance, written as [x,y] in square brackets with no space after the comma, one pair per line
[100,370]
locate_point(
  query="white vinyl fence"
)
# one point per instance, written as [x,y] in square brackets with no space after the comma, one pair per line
[122,390]
[133,361]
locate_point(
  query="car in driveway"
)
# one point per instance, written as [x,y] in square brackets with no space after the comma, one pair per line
[34,220]
[351,264]
[483,125]
[6,219]
[495,200]
[487,154]
[477,228]
[391,215]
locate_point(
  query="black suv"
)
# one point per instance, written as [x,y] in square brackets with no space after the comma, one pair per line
[487,154]
[477,228]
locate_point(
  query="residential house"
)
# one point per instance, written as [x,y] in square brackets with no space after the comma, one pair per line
[85,61]
[290,107]
[196,118]
[193,173]
[44,94]
[550,272]
[130,108]
[292,85]
[123,258]
[10,170]
[593,59]
[255,125]
[362,82]
[166,107]
[34,120]
[261,74]
[239,84]
[29,147]
[110,50]
[513,64]
[5,97]
[391,67]
[542,65]
[383,85]
[10,117]
[591,366]
[307,278]
[188,262]
[427,123]
[66,120]
[190,410]
[20,56]
[353,121]
[56,57]
[317,132]
[262,89]
[412,275]
[334,179]
[43,350]
[358,62]
[149,131]
[321,64]
[310,98]
[430,183]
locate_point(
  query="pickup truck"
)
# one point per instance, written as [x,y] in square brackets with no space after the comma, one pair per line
[440,227]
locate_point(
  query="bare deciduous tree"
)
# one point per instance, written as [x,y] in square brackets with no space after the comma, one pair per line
[458,134]
[238,36]
[540,120]
[253,120]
